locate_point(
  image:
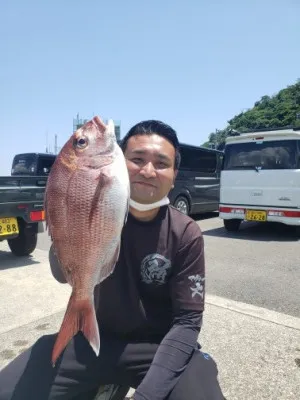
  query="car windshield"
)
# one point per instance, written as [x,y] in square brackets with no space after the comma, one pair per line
[24,164]
[279,154]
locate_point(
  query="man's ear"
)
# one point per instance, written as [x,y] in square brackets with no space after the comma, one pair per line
[175,175]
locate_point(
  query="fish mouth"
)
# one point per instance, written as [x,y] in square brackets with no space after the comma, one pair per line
[109,128]
[99,124]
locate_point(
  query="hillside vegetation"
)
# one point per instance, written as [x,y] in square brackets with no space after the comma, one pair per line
[280,110]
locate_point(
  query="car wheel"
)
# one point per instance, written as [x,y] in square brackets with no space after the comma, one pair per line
[182,204]
[25,243]
[232,225]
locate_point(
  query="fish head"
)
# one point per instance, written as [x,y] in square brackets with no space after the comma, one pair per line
[91,146]
[94,143]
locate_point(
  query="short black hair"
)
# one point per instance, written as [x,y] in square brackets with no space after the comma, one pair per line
[151,127]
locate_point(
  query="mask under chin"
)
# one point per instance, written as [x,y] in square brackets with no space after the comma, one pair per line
[146,207]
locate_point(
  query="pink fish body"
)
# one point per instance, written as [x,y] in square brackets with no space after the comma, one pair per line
[86,204]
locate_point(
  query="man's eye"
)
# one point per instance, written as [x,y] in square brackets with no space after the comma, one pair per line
[137,160]
[162,165]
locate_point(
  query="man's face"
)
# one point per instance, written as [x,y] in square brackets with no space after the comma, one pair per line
[150,162]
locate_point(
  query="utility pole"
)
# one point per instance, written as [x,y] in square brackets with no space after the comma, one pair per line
[55,145]
[47,148]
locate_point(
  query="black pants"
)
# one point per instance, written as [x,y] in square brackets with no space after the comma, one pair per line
[79,373]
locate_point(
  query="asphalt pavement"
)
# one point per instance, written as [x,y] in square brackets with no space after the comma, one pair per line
[257,265]
[257,350]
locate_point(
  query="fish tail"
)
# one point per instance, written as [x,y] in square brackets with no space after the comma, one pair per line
[80,316]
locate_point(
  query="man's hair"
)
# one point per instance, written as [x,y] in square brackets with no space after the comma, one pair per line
[151,127]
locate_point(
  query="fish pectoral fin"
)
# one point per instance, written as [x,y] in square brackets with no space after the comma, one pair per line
[104,181]
[127,212]
[108,268]
[80,316]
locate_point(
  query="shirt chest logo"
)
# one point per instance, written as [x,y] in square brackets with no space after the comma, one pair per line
[154,269]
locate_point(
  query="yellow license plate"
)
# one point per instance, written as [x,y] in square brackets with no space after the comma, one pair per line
[8,226]
[253,215]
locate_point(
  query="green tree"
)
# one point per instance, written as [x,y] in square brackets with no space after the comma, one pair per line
[278,111]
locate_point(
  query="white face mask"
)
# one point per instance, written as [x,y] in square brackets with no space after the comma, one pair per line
[147,207]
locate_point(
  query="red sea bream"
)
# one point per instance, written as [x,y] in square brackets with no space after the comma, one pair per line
[86,204]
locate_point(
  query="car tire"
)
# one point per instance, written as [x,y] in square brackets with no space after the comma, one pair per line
[182,204]
[232,225]
[25,243]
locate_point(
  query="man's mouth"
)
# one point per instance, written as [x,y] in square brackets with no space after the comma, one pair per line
[145,184]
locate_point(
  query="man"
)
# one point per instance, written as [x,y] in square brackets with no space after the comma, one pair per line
[149,310]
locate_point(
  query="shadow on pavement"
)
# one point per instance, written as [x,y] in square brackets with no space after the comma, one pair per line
[200,217]
[8,260]
[268,232]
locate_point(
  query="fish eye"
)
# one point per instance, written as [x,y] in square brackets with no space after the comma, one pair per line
[81,142]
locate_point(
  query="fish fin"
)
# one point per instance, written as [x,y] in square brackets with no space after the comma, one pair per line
[47,218]
[80,316]
[127,211]
[108,268]
[103,182]
[127,207]
[57,271]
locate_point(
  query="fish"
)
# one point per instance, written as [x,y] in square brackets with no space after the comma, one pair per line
[86,205]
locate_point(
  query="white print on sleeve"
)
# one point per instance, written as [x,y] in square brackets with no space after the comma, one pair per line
[198,285]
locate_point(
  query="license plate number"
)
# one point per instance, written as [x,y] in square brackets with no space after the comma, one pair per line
[254,215]
[8,226]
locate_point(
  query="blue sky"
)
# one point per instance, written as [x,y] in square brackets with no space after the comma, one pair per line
[193,64]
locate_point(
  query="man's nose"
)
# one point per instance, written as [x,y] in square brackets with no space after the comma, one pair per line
[148,171]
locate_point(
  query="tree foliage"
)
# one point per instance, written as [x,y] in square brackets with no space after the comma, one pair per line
[278,111]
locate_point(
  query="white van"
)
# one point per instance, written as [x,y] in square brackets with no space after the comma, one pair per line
[260,178]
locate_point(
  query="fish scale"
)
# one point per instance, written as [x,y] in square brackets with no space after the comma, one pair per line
[86,202]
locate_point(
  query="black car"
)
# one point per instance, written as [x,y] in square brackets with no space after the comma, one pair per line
[197,186]
[32,164]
